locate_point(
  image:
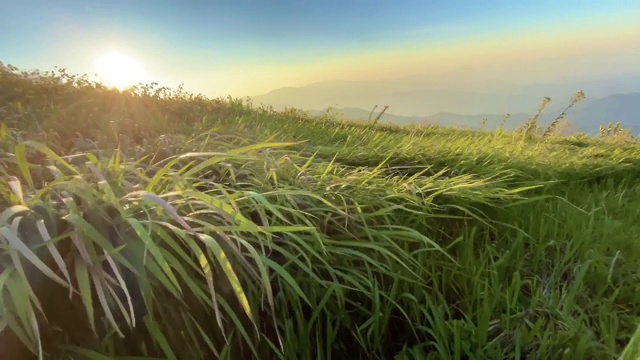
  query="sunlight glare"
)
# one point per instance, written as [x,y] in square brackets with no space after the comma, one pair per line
[119,70]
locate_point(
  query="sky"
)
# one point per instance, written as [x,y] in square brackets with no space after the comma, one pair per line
[248,47]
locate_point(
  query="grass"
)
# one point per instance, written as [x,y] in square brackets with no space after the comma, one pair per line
[150,223]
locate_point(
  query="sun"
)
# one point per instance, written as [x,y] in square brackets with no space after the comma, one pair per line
[119,70]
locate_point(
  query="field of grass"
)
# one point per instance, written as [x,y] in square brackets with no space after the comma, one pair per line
[157,224]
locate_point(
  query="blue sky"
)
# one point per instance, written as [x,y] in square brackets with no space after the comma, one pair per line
[277,43]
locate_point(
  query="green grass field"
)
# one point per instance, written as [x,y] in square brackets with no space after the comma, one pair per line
[157,224]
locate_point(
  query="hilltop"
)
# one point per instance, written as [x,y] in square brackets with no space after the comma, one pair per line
[160,224]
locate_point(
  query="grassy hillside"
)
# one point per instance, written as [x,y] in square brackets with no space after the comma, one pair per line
[369,115]
[154,224]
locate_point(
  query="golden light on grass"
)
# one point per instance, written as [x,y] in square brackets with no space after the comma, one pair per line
[119,70]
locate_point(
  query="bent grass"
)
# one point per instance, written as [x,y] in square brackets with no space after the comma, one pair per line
[255,233]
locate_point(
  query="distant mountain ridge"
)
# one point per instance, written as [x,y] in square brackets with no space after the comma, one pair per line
[623,108]
[586,116]
[419,95]
[465,96]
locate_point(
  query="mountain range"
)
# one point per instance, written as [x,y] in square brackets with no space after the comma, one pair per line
[430,100]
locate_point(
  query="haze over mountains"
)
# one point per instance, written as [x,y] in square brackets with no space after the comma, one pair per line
[464,99]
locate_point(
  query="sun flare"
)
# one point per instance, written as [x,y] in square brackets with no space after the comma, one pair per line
[119,70]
